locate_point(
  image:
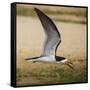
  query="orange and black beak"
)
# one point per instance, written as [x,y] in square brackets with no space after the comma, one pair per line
[69,64]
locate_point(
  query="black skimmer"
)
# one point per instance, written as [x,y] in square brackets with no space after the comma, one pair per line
[52,41]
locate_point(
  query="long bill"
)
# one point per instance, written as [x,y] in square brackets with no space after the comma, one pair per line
[69,64]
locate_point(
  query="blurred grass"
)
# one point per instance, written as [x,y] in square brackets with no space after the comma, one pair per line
[29,73]
[50,75]
[73,15]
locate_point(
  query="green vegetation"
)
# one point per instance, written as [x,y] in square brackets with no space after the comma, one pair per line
[25,11]
[50,74]
[30,12]
[66,15]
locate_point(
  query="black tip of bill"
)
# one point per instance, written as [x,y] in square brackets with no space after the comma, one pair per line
[71,66]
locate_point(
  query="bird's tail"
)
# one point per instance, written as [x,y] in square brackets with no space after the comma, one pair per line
[34,59]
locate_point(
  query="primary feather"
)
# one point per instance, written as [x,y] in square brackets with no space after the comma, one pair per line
[53,37]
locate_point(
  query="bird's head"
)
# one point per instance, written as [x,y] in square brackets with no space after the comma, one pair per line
[68,63]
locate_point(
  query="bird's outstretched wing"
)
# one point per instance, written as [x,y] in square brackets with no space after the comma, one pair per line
[53,37]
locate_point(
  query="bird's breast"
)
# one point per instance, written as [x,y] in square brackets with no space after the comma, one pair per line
[47,59]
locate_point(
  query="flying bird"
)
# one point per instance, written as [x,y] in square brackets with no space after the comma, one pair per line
[52,41]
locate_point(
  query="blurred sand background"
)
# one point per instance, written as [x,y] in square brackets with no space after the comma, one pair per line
[71,23]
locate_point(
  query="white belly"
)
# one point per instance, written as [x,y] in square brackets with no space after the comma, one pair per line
[47,59]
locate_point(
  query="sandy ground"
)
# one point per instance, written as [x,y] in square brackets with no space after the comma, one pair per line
[30,38]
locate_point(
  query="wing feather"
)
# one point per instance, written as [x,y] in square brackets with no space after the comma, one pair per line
[53,37]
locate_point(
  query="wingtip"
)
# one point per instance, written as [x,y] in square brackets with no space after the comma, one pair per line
[39,12]
[36,9]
